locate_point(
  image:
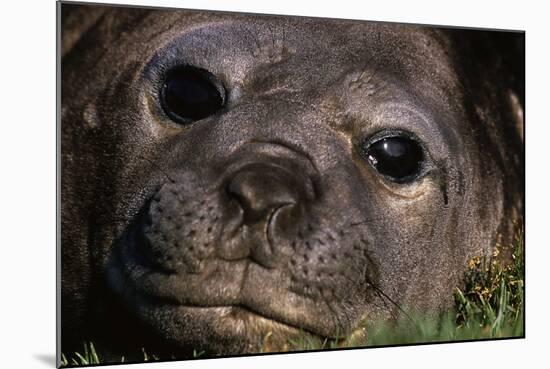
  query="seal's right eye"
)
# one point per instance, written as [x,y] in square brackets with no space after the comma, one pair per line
[190,94]
[398,158]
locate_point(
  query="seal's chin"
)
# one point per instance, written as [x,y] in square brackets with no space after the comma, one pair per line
[229,329]
[172,306]
[219,329]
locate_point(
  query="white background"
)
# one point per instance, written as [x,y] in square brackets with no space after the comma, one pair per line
[27,180]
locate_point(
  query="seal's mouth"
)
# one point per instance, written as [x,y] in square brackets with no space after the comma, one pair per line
[162,293]
[247,300]
[259,330]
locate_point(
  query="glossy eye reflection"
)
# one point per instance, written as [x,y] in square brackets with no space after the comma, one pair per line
[190,94]
[397,158]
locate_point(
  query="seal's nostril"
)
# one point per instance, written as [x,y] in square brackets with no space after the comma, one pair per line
[261,188]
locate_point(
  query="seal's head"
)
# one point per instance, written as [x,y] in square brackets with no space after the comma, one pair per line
[228,178]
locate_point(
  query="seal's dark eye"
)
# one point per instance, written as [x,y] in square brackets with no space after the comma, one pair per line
[397,158]
[190,94]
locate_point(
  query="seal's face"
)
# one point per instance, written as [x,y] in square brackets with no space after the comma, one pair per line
[261,177]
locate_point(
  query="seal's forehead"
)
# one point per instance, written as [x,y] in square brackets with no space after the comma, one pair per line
[406,50]
[324,38]
[321,48]
[310,56]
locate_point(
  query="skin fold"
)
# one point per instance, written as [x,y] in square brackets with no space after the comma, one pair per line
[266,218]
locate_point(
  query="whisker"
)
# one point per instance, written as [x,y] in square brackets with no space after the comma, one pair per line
[360,223]
[383,294]
[157,167]
[334,314]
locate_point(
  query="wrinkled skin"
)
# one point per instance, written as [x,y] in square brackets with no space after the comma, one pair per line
[266,219]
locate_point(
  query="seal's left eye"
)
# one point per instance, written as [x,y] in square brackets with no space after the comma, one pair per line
[397,158]
[190,94]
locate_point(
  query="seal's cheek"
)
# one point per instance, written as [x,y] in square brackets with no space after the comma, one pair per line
[410,245]
[409,208]
[410,213]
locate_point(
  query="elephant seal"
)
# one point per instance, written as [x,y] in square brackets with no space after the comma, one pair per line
[229,179]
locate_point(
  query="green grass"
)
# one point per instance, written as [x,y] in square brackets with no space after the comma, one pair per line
[87,357]
[490,305]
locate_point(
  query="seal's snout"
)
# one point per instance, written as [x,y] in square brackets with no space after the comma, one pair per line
[251,235]
[262,189]
[270,199]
